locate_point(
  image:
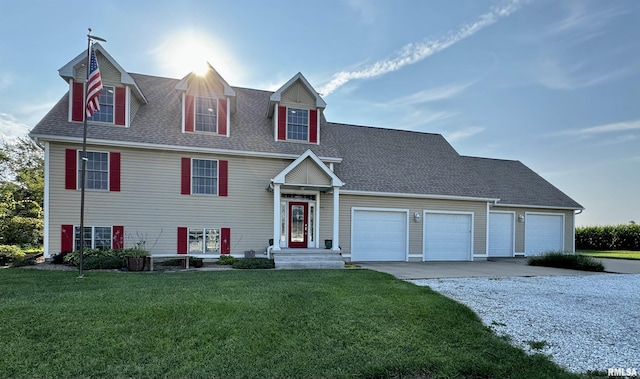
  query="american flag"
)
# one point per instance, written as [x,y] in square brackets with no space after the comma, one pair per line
[94,85]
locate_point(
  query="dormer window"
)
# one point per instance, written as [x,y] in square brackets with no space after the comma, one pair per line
[106,100]
[297,124]
[206,115]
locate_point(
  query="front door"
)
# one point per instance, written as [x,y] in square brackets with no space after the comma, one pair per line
[298,225]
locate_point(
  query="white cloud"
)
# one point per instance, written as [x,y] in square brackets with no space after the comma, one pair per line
[433,94]
[463,133]
[415,52]
[606,128]
[11,128]
[553,75]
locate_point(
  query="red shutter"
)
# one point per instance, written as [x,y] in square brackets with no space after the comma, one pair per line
[120,105]
[225,241]
[66,239]
[183,240]
[70,169]
[188,114]
[223,177]
[117,234]
[222,117]
[282,123]
[114,171]
[313,126]
[186,176]
[77,102]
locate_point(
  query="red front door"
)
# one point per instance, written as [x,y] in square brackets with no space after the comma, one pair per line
[298,225]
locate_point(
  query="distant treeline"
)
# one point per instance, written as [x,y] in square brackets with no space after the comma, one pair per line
[613,237]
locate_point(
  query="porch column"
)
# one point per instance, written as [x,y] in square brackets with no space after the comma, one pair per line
[276,217]
[336,218]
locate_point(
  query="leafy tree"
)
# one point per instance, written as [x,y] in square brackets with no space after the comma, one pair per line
[21,192]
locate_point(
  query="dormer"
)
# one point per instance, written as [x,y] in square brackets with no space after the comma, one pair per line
[207,103]
[120,98]
[296,109]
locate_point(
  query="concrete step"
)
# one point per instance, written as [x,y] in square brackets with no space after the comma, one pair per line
[309,265]
[308,259]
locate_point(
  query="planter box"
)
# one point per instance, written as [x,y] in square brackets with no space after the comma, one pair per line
[135,263]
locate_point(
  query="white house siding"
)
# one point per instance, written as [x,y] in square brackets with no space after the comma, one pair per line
[297,96]
[150,206]
[569,225]
[415,228]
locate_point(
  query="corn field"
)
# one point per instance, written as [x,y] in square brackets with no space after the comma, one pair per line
[611,237]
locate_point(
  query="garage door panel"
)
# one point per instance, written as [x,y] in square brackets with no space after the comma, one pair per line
[379,235]
[447,237]
[543,233]
[501,234]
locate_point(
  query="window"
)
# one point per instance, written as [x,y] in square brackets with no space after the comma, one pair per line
[95,237]
[297,124]
[204,241]
[105,114]
[97,170]
[206,115]
[204,177]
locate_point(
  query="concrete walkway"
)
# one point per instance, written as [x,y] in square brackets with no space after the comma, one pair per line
[503,267]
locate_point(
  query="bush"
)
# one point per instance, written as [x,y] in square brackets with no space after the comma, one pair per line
[254,263]
[570,261]
[97,259]
[10,254]
[134,252]
[227,259]
[611,237]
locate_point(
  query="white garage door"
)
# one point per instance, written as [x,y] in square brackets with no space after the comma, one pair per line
[501,234]
[543,233]
[447,237]
[379,235]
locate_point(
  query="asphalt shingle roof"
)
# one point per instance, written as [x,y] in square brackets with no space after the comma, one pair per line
[373,159]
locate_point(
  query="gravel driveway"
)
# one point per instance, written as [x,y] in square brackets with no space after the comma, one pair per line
[584,322]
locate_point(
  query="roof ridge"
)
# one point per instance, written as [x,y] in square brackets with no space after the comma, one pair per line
[383,128]
[490,159]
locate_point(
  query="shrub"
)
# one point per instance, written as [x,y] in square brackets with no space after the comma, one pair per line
[254,263]
[134,252]
[227,259]
[96,259]
[611,237]
[570,261]
[10,254]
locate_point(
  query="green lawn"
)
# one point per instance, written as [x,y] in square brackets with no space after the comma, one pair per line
[617,254]
[250,324]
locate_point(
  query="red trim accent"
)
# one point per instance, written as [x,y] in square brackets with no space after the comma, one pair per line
[77,101]
[313,125]
[305,207]
[66,239]
[183,240]
[117,237]
[185,187]
[114,171]
[189,113]
[282,123]
[225,241]
[70,169]
[120,105]
[222,117]
[223,177]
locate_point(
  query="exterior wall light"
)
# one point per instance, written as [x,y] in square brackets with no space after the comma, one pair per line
[416,217]
[521,218]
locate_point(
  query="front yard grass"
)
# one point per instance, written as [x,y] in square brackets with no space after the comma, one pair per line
[617,254]
[249,324]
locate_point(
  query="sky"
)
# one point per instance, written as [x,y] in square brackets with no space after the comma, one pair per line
[554,84]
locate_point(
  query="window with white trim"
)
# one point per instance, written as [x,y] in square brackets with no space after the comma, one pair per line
[106,100]
[297,124]
[204,176]
[97,170]
[204,241]
[206,115]
[95,237]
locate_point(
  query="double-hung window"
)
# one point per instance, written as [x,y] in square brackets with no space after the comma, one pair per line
[204,176]
[206,115]
[95,237]
[106,100]
[204,241]
[297,124]
[97,170]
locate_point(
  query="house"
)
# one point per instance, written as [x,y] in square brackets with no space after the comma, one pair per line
[195,165]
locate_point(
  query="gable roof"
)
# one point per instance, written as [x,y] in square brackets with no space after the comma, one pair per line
[281,177]
[68,71]
[183,84]
[369,159]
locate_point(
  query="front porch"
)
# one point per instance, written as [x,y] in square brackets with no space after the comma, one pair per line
[307,259]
